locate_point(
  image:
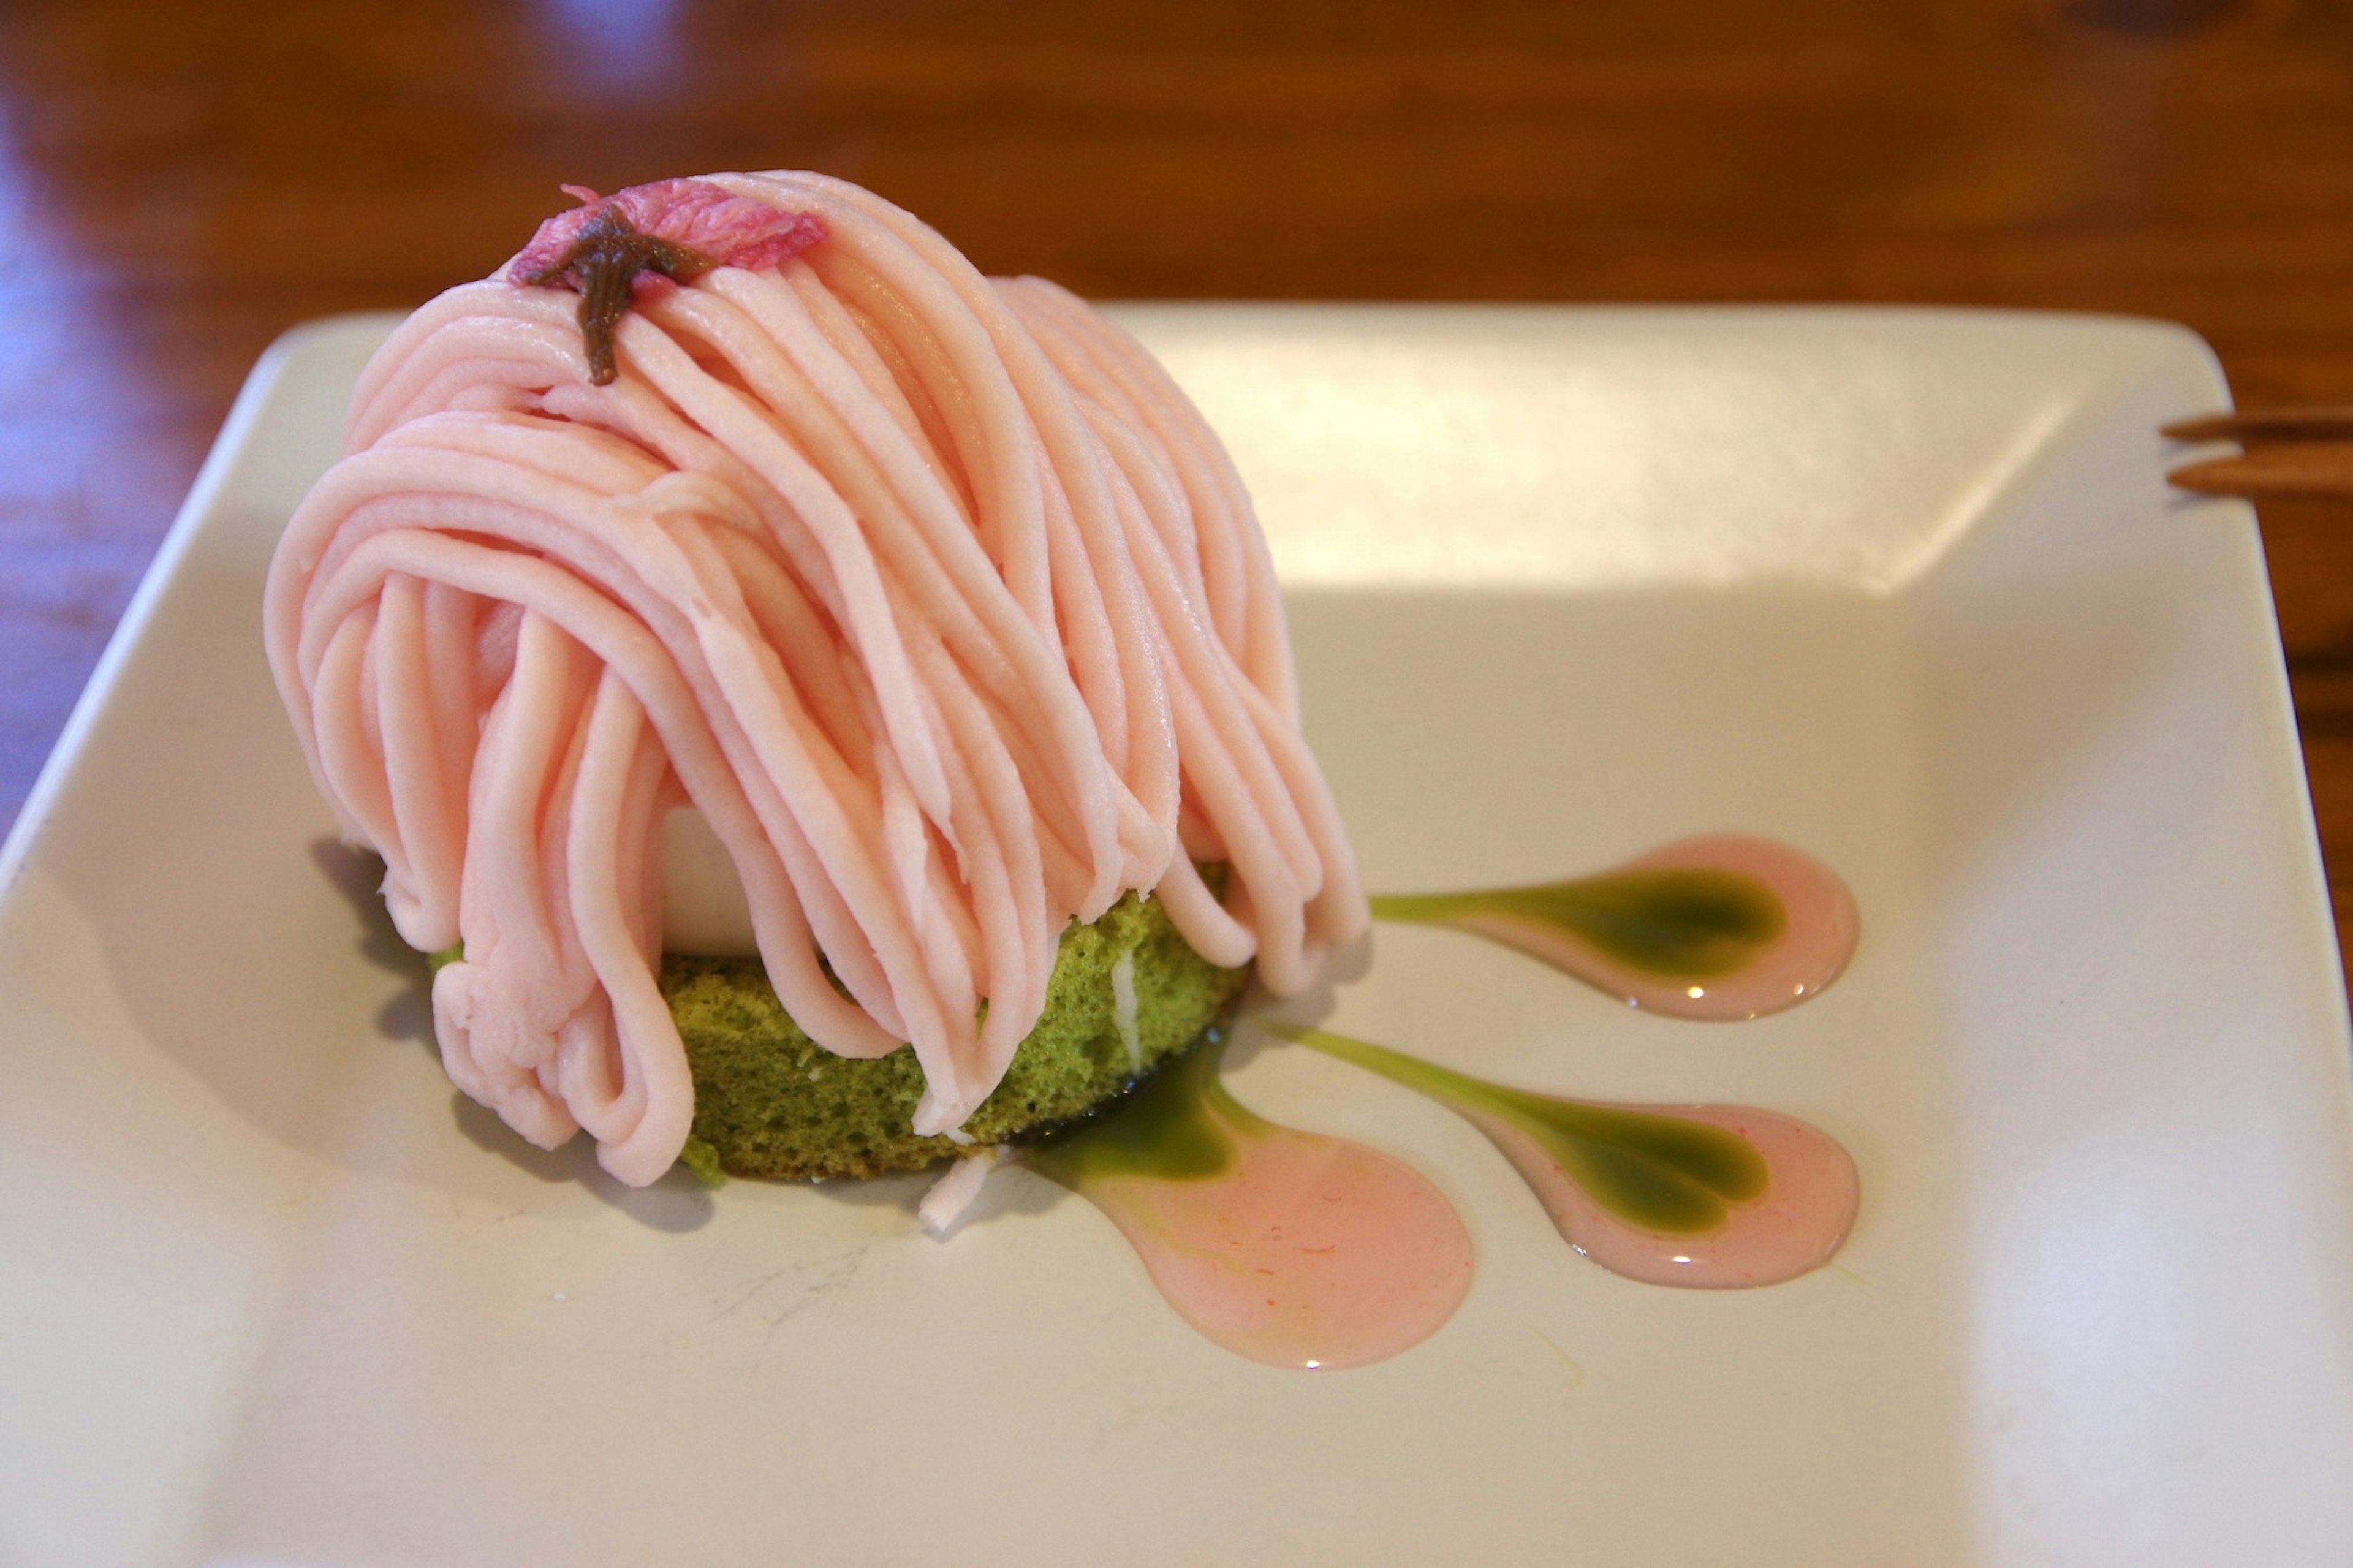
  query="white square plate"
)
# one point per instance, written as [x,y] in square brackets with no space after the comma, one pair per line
[1903,587]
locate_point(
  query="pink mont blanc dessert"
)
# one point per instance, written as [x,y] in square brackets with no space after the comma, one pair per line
[740,571]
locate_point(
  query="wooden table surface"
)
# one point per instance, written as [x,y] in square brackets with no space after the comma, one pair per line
[180,183]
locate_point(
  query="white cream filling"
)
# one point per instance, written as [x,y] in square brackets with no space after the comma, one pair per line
[953,1195]
[1122,1010]
[704,909]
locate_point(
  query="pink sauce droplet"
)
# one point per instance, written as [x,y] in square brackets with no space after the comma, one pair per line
[1292,1248]
[1709,1196]
[1719,927]
[1809,1204]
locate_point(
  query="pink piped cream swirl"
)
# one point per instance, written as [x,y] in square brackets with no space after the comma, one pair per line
[931,591]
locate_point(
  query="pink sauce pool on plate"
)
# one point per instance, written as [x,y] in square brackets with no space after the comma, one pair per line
[1719,927]
[1706,1196]
[1293,1248]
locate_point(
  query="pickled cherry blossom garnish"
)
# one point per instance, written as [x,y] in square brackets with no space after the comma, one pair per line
[1718,927]
[616,250]
[1292,1248]
[1708,1196]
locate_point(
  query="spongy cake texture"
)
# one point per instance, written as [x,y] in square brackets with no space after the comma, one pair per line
[770,1101]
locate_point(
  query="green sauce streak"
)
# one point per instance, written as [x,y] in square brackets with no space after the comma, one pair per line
[1178,1127]
[1685,922]
[1665,1173]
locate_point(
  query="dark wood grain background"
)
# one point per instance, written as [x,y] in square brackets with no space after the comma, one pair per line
[180,183]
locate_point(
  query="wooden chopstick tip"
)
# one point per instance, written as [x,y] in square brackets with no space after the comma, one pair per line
[2318,470]
[2320,422]
[2303,452]
[2205,428]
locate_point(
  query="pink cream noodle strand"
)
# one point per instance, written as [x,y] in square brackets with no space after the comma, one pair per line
[931,591]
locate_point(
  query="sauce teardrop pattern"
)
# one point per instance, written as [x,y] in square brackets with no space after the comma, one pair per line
[1705,1196]
[1293,1248]
[1719,927]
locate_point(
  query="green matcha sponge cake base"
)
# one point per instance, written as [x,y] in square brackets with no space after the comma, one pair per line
[770,1101]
